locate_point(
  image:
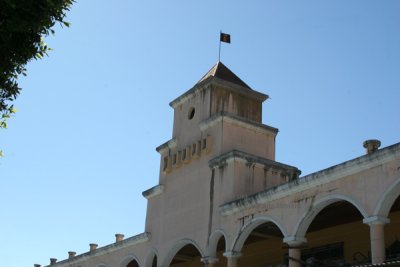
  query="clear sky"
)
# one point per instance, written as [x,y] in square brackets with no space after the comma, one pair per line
[81,148]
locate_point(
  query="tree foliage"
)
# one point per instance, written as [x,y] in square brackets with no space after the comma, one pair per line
[23,25]
[3,120]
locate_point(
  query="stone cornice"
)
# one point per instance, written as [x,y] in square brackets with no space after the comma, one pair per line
[190,93]
[169,144]
[315,179]
[131,241]
[233,119]
[239,89]
[203,85]
[154,191]
[233,155]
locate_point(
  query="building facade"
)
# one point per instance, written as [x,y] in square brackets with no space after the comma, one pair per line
[222,199]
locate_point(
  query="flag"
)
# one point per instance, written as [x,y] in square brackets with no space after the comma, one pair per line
[224,37]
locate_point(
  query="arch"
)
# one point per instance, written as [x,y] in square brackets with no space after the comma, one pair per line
[387,200]
[302,225]
[125,261]
[178,246]
[248,228]
[213,242]
[148,262]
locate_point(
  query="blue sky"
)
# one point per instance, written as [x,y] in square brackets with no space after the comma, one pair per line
[81,148]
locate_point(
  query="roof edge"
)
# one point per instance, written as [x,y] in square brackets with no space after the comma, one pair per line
[314,179]
[208,82]
[133,240]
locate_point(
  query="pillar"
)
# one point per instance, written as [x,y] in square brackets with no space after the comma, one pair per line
[295,244]
[294,257]
[377,237]
[209,261]
[232,257]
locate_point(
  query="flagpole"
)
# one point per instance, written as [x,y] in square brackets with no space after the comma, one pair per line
[219,52]
[223,37]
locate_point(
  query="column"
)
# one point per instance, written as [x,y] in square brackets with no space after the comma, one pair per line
[295,244]
[294,257]
[232,257]
[209,261]
[377,237]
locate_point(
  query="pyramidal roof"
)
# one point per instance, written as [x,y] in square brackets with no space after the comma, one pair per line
[222,72]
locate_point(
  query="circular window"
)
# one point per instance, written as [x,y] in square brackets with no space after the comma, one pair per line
[191,113]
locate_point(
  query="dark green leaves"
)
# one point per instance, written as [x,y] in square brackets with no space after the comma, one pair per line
[23,25]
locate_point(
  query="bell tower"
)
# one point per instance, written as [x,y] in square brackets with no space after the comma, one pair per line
[219,151]
[218,91]
[218,98]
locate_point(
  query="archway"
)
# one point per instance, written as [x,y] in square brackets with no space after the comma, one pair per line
[185,254]
[261,244]
[320,204]
[386,202]
[335,233]
[154,262]
[129,261]
[389,207]
[133,263]
[151,259]
[392,232]
[217,247]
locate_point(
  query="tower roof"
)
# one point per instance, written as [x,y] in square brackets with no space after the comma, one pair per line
[221,71]
[217,74]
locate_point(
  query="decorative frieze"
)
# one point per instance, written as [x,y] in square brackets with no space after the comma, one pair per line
[176,158]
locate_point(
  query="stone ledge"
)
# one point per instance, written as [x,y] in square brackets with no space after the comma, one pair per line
[169,144]
[224,159]
[133,240]
[154,191]
[205,84]
[314,179]
[234,119]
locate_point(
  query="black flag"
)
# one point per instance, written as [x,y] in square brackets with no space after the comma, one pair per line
[226,38]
